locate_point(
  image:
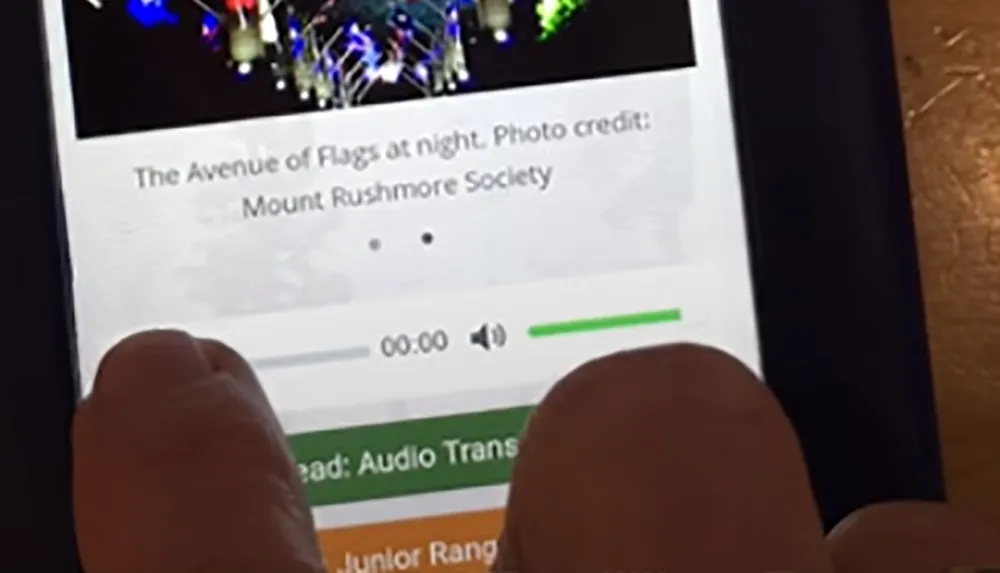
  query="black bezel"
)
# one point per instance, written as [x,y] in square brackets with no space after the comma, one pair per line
[836,277]
[835,269]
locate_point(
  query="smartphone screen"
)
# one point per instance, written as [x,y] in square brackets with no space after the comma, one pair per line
[411,216]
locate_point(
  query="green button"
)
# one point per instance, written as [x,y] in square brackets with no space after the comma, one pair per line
[409,457]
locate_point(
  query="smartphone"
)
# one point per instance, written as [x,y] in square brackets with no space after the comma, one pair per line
[413,217]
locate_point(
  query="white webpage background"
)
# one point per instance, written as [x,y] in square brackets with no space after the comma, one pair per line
[184,255]
[187,253]
[95,178]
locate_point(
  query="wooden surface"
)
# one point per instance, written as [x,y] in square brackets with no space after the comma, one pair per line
[948,61]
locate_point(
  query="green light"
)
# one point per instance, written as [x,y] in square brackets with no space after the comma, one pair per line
[554,14]
[604,323]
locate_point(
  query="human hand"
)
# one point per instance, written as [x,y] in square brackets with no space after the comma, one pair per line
[668,459]
[180,466]
[678,459]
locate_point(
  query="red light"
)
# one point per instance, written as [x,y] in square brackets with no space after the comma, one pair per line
[238,5]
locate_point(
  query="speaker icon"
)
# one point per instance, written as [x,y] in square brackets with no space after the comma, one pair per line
[489,336]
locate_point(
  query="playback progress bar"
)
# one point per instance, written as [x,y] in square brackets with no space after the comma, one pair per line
[343,354]
[607,322]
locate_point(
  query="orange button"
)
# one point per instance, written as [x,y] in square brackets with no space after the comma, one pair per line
[464,542]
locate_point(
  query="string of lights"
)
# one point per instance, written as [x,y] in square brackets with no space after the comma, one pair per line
[334,55]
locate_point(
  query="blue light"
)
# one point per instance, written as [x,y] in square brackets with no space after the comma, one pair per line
[151,13]
[296,40]
[298,48]
[210,24]
[210,31]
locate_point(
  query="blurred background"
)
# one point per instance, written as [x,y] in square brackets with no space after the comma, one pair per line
[948,65]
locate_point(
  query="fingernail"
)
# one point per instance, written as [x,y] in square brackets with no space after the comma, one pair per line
[713,377]
[145,358]
[682,372]
[223,358]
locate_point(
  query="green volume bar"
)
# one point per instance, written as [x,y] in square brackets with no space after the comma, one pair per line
[582,325]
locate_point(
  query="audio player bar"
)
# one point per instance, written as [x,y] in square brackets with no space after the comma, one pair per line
[487,336]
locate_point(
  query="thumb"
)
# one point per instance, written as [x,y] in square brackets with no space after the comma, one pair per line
[913,537]
[180,466]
